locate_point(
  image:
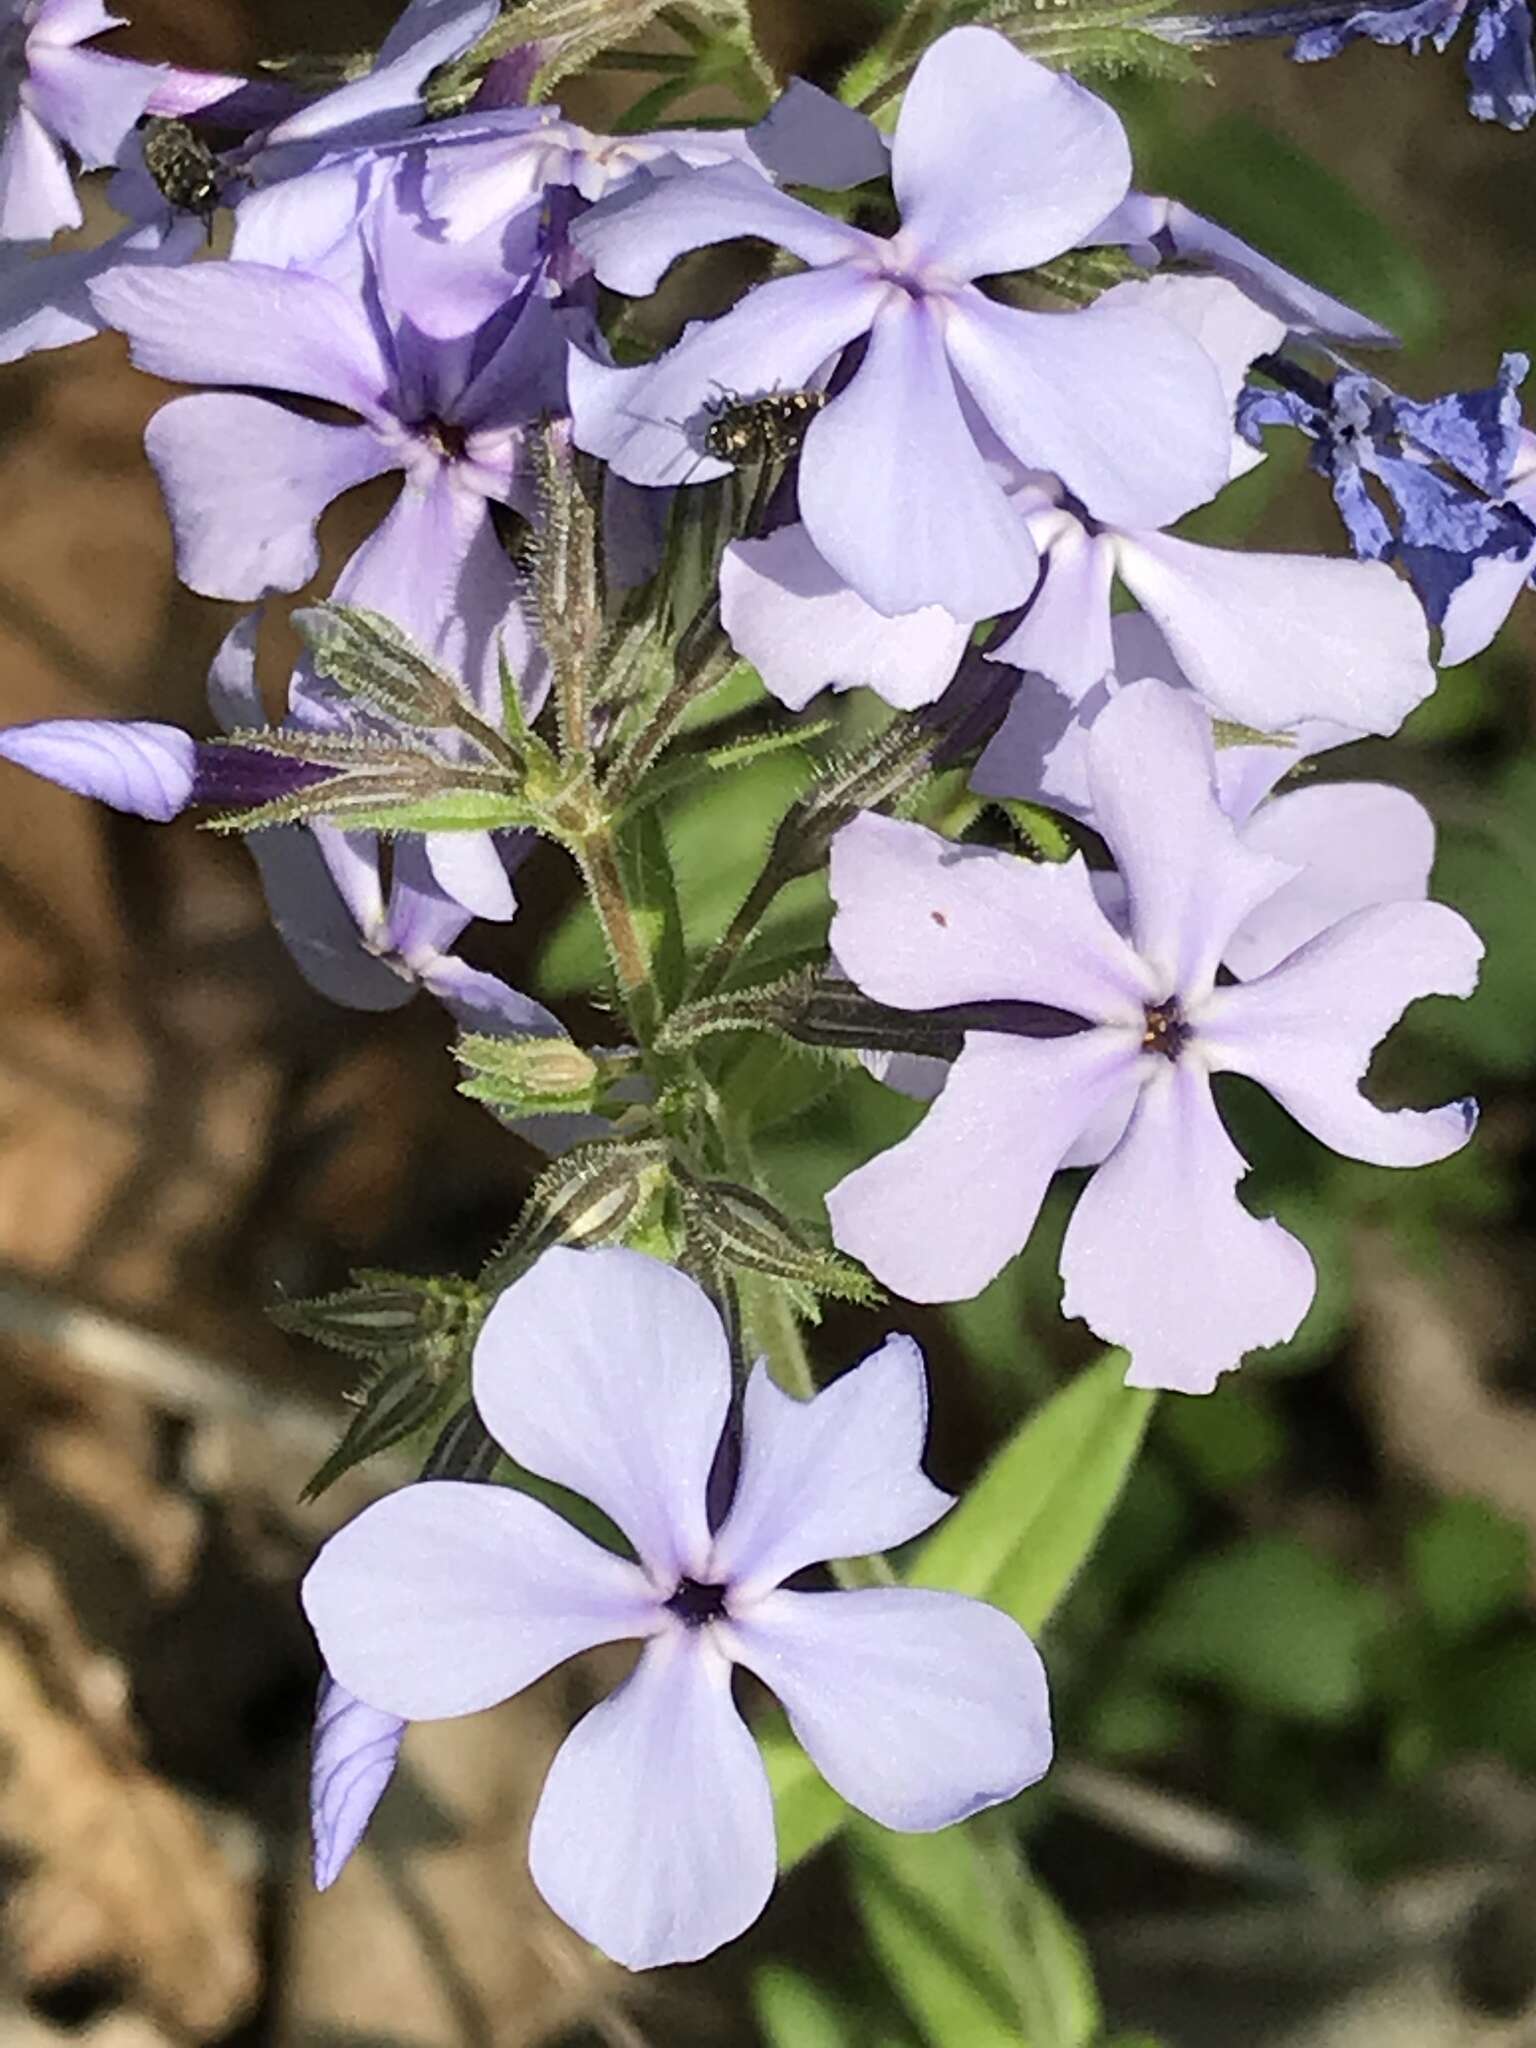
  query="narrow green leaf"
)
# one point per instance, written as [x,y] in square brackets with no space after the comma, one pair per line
[793,2012]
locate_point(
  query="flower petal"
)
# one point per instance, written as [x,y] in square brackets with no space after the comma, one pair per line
[809,138]
[1354,844]
[247,323]
[1064,633]
[634,238]
[837,1476]
[88,99]
[1161,1257]
[998,162]
[937,1216]
[610,1373]
[919,1707]
[923,923]
[654,1834]
[352,1760]
[1270,639]
[1189,878]
[649,423]
[388,99]
[1481,602]
[895,492]
[37,194]
[450,1596]
[245,482]
[1306,1030]
[1121,404]
[133,765]
[804,630]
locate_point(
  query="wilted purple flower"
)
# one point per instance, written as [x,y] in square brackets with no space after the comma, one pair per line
[998,164]
[352,1760]
[1160,1256]
[1456,475]
[53,92]
[610,1374]
[1500,71]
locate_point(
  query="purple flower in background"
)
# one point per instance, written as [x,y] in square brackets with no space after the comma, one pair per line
[352,1759]
[1456,473]
[998,164]
[1160,1256]
[54,92]
[1500,70]
[610,1374]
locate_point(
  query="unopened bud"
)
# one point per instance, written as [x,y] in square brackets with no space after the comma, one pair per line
[528,1076]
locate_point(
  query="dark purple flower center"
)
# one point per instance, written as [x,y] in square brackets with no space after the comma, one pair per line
[446,437]
[1166,1030]
[695,1604]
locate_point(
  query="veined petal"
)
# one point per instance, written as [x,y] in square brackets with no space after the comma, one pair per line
[352,1760]
[37,194]
[1190,880]
[132,765]
[998,162]
[1306,1030]
[919,1707]
[793,617]
[923,923]
[1270,639]
[1064,633]
[448,1596]
[245,482]
[633,238]
[1121,404]
[89,99]
[1353,844]
[895,492]
[1161,1257]
[837,1476]
[247,323]
[940,1214]
[649,423]
[609,1372]
[654,1836]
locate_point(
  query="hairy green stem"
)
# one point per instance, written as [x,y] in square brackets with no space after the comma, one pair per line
[627,949]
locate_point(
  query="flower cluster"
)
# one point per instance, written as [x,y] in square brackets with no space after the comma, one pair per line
[930,452]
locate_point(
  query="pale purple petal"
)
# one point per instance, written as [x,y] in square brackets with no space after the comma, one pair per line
[804,630]
[1270,639]
[429,33]
[1118,402]
[60,24]
[649,422]
[45,302]
[1225,321]
[1040,751]
[609,1372]
[1162,1258]
[408,567]
[1064,633]
[1354,844]
[922,923]
[998,162]
[449,1596]
[654,1837]
[245,482]
[467,866]
[809,138]
[633,239]
[837,1476]
[247,323]
[37,194]
[144,769]
[942,1213]
[1190,880]
[1306,1030]
[87,98]
[352,1759]
[1478,606]
[919,1707]
[478,1001]
[911,517]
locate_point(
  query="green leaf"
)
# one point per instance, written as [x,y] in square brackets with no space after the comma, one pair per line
[978,1951]
[1272,1624]
[652,890]
[793,2012]
[1229,1438]
[1469,1564]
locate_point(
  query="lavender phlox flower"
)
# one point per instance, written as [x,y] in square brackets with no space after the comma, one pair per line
[1159,1256]
[54,92]
[1352,844]
[998,164]
[1501,73]
[610,1374]
[352,1759]
[1156,230]
[1455,477]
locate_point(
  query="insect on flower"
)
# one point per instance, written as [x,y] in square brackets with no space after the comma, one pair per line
[183,167]
[765,429]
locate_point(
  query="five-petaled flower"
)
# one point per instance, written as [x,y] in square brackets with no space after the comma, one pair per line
[610,1374]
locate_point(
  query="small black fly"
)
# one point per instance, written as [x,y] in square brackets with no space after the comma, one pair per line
[184,168]
[766,429]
